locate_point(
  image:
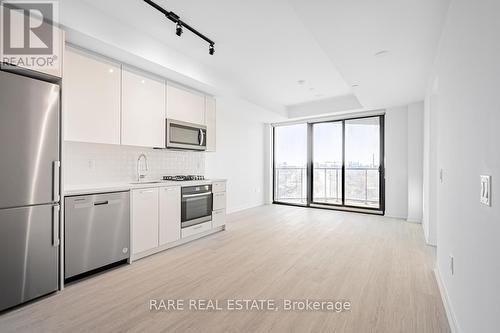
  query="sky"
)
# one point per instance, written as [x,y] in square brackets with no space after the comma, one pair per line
[362,142]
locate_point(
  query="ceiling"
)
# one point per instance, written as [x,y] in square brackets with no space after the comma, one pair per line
[267,47]
[352,32]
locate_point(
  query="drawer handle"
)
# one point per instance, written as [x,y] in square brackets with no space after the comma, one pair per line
[100,203]
[197,227]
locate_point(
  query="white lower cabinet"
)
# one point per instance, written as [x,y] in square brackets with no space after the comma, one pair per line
[219,186]
[219,204]
[156,218]
[218,218]
[144,219]
[219,200]
[196,229]
[170,214]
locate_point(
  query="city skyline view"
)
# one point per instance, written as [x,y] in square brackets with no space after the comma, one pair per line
[361,142]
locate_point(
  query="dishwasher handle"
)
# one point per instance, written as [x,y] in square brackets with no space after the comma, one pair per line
[98,203]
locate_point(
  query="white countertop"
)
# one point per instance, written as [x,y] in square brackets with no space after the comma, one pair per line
[126,186]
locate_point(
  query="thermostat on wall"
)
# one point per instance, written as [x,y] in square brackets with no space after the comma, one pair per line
[486,190]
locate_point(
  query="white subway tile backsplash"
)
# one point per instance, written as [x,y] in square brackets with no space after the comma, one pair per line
[89,163]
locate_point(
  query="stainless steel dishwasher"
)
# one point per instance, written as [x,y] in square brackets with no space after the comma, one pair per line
[97,231]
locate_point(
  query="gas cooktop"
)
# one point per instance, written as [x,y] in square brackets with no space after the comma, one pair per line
[184,178]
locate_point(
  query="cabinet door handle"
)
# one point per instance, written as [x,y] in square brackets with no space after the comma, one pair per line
[197,227]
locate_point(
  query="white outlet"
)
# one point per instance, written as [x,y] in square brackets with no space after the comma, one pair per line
[452,265]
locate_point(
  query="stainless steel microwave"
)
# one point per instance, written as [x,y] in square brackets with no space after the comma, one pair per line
[183,135]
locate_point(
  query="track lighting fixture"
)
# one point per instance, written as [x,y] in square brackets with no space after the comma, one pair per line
[181,24]
[178,29]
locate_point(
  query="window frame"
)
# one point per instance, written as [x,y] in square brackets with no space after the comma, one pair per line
[310,174]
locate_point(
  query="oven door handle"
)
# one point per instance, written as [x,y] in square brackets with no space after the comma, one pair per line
[196,195]
[202,143]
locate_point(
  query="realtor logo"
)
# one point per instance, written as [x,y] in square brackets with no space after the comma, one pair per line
[29,37]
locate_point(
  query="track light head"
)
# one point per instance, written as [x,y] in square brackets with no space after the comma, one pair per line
[178,29]
[211,49]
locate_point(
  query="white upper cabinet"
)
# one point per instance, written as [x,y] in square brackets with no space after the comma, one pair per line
[210,121]
[103,103]
[143,110]
[91,98]
[185,105]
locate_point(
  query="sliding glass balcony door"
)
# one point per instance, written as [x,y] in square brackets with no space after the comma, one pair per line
[362,162]
[290,164]
[327,163]
[333,164]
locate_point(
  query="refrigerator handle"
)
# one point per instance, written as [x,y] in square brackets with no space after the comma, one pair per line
[55,178]
[55,225]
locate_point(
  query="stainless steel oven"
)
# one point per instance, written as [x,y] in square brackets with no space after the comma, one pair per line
[196,205]
[183,135]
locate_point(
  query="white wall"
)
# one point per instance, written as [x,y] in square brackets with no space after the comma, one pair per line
[240,155]
[396,162]
[468,136]
[404,161]
[415,161]
[431,172]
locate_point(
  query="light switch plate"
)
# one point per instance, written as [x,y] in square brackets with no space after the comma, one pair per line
[486,190]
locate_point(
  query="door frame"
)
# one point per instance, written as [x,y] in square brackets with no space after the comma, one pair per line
[310,173]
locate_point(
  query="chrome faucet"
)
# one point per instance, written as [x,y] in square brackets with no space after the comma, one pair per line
[141,172]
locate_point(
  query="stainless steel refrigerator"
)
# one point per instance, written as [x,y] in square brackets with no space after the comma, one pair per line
[29,188]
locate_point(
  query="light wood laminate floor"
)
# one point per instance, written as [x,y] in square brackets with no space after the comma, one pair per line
[381,265]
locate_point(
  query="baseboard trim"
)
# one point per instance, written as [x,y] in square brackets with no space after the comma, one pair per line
[231,210]
[428,241]
[395,217]
[412,220]
[446,303]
